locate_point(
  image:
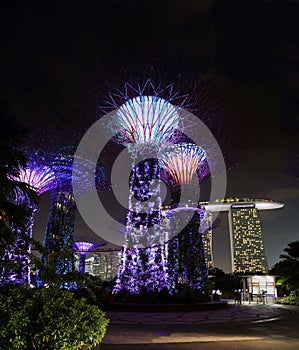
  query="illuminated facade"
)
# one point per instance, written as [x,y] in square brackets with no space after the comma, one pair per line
[246,240]
[247,247]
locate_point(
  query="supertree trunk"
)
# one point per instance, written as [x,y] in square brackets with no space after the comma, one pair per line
[60,229]
[144,263]
[186,258]
[17,256]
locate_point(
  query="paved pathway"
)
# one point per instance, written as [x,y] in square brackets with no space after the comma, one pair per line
[174,327]
[231,313]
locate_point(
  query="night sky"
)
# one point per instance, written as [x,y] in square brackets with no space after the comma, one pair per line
[57,59]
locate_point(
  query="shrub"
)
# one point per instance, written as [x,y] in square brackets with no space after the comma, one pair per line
[48,319]
[184,294]
[292,299]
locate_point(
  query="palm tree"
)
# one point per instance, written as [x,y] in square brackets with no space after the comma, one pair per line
[14,213]
[288,268]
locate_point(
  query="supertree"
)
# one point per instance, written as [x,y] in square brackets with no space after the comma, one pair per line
[60,229]
[39,175]
[144,124]
[83,248]
[188,166]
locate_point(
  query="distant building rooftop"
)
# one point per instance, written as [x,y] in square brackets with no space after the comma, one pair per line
[227,203]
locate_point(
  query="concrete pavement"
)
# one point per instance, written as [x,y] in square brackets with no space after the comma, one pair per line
[249,325]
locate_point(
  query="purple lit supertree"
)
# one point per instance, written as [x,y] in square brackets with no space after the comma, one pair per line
[60,229]
[186,162]
[39,175]
[83,248]
[144,124]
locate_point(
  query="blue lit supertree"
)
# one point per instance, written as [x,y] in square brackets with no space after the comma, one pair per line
[60,229]
[39,175]
[187,164]
[144,124]
[61,221]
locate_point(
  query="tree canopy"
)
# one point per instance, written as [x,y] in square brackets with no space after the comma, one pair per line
[288,267]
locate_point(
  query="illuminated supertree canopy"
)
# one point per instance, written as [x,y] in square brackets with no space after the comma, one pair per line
[146,120]
[39,175]
[83,248]
[137,121]
[183,160]
[145,123]
[186,254]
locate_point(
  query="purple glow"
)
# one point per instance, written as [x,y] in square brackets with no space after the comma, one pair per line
[144,123]
[59,237]
[83,248]
[39,176]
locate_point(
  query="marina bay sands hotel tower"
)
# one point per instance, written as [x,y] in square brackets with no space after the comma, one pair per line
[246,241]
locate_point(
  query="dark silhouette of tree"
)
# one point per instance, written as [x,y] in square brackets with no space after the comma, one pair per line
[13,208]
[227,283]
[288,268]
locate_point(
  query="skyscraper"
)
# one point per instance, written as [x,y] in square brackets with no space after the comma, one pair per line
[247,247]
[207,236]
[246,240]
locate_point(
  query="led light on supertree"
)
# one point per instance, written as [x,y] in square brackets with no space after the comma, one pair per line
[83,248]
[60,229]
[39,175]
[144,124]
[186,163]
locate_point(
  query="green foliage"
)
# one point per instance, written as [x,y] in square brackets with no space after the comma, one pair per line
[12,208]
[288,268]
[48,319]
[184,294]
[227,283]
[292,299]
[12,160]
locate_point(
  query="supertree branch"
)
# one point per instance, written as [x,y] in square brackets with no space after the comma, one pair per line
[183,160]
[207,98]
[145,121]
[38,174]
